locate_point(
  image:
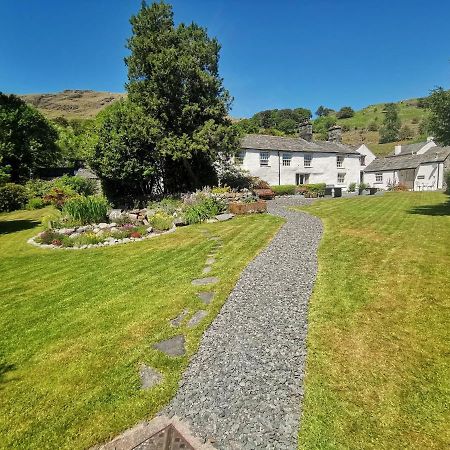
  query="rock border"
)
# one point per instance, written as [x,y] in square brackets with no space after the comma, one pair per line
[109,243]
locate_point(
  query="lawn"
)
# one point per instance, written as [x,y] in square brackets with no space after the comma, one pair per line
[378,367]
[76,325]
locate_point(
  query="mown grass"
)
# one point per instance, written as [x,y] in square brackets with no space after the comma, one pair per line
[76,325]
[378,370]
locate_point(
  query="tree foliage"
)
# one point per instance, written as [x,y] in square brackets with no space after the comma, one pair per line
[27,139]
[391,124]
[323,111]
[345,112]
[322,124]
[439,122]
[175,122]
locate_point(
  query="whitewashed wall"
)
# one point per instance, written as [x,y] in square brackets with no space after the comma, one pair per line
[389,177]
[432,174]
[364,150]
[323,168]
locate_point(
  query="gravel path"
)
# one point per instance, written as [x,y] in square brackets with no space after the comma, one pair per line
[244,387]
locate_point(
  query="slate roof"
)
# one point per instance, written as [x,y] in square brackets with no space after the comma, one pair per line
[434,154]
[292,144]
[409,149]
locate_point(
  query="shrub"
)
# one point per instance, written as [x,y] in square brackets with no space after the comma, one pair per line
[373,126]
[58,196]
[221,190]
[311,190]
[38,188]
[352,187]
[161,221]
[135,234]
[203,209]
[284,189]
[48,237]
[35,203]
[169,205]
[257,183]
[363,186]
[12,197]
[85,210]
[80,185]
[401,187]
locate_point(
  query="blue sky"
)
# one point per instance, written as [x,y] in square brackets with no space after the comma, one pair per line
[275,54]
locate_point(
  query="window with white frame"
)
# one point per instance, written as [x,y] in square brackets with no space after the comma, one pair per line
[307,160]
[264,159]
[239,158]
[378,177]
[339,160]
[362,160]
[341,178]
[287,159]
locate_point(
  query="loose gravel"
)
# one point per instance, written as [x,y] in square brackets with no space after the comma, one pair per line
[244,387]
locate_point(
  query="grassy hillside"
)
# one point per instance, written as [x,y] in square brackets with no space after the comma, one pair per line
[410,114]
[71,104]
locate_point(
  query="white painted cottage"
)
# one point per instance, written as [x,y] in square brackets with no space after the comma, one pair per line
[419,166]
[300,160]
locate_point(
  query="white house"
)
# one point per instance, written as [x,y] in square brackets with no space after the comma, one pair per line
[419,166]
[299,160]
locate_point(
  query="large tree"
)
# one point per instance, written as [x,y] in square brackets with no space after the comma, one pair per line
[27,139]
[173,76]
[391,124]
[439,122]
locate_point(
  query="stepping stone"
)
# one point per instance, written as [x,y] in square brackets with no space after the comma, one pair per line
[172,347]
[224,217]
[206,297]
[215,238]
[176,322]
[207,269]
[197,318]
[210,261]
[205,281]
[149,376]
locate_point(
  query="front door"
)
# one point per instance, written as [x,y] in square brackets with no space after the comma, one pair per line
[301,178]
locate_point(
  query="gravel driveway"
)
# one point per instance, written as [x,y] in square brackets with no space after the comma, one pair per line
[244,387]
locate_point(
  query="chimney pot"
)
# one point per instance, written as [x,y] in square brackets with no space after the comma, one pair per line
[335,133]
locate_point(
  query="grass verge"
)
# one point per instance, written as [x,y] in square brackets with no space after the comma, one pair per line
[378,357]
[76,325]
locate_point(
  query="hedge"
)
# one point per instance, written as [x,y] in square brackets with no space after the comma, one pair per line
[284,189]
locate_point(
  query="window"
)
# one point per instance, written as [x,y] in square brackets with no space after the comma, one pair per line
[378,178]
[307,161]
[264,159]
[239,158]
[362,160]
[301,178]
[421,177]
[341,178]
[287,159]
[339,161]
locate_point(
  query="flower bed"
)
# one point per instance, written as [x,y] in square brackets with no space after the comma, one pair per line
[97,235]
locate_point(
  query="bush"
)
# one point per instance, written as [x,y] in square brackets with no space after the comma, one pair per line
[345,112]
[352,187]
[85,210]
[284,189]
[38,188]
[203,209]
[35,203]
[314,189]
[169,205]
[161,221]
[257,183]
[80,185]
[363,186]
[373,126]
[58,196]
[221,190]
[12,197]
[48,237]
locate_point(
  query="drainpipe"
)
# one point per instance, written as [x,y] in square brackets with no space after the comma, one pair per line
[279,170]
[437,182]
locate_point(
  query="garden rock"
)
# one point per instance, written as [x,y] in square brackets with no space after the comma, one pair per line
[103,226]
[197,318]
[179,222]
[224,217]
[149,229]
[115,214]
[206,297]
[207,269]
[172,347]
[205,281]
[210,261]
[149,376]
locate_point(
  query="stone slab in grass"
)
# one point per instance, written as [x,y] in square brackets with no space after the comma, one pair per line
[205,281]
[224,217]
[206,297]
[210,261]
[177,320]
[172,347]
[197,318]
[207,269]
[149,376]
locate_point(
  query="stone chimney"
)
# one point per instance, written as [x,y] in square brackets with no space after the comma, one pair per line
[335,134]
[305,130]
[397,149]
[430,138]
